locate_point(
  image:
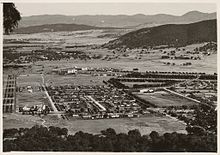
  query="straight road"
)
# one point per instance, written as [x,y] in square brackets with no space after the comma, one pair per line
[48,96]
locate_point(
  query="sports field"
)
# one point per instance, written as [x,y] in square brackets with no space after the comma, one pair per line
[164,99]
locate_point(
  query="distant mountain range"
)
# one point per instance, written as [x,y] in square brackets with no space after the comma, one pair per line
[168,35]
[131,21]
[56,28]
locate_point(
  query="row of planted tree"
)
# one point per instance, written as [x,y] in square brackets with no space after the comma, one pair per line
[171,76]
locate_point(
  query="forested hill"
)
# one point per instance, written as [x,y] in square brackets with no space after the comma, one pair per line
[56,28]
[170,35]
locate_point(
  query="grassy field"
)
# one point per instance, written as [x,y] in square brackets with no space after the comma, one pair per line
[164,99]
[70,38]
[207,65]
[30,98]
[75,79]
[144,124]
[29,79]
[20,121]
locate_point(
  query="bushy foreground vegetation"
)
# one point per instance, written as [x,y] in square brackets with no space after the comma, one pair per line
[39,138]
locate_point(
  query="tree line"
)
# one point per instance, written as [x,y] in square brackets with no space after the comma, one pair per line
[165,76]
[39,138]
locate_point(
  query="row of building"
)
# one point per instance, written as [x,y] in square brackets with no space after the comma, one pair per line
[93,100]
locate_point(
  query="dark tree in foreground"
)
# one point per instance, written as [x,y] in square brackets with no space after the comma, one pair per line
[39,138]
[11,16]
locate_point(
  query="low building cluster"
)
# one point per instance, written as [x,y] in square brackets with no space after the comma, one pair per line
[36,109]
[99,71]
[94,101]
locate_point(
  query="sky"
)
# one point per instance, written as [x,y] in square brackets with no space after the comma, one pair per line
[28,9]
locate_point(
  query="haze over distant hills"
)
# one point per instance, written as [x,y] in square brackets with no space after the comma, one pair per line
[168,35]
[56,28]
[134,21]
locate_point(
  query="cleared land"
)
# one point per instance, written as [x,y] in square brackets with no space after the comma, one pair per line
[36,97]
[68,38]
[75,80]
[134,59]
[207,65]
[164,99]
[33,80]
[30,99]
[13,120]
[144,124]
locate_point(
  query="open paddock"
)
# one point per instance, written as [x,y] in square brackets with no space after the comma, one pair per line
[145,125]
[207,65]
[34,97]
[29,80]
[77,80]
[13,120]
[30,99]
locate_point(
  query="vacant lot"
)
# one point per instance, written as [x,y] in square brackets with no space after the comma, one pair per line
[164,99]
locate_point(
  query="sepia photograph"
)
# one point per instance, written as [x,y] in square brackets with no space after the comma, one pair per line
[109,77]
